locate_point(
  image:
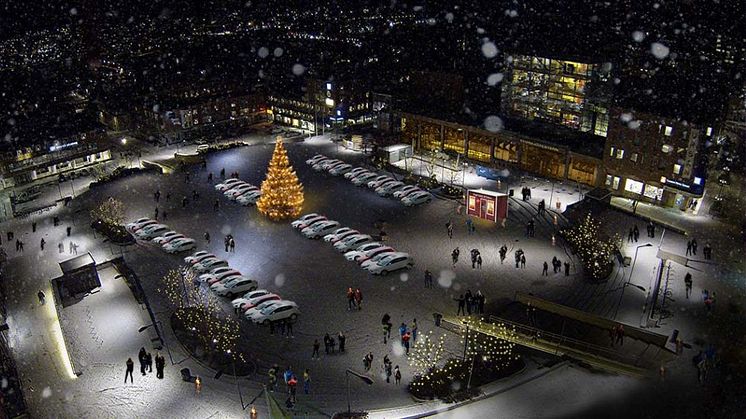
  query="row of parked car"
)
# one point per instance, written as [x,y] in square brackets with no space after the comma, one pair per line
[371,255]
[237,190]
[384,185]
[259,306]
[170,240]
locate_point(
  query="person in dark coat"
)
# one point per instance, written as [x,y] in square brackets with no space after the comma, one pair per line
[342,339]
[567,268]
[461,305]
[160,363]
[141,357]
[128,372]
[149,361]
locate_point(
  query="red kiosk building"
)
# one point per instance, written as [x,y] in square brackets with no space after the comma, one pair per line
[487,205]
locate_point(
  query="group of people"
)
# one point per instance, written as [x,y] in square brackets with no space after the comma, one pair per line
[556,266]
[229,242]
[146,364]
[530,228]
[329,345]
[354,299]
[520,258]
[692,246]
[634,234]
[526,193]
[291,382]
[470,303]
[476,259]
[616,334]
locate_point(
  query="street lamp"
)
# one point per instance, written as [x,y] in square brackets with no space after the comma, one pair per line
[160,336]
[364,378]
[238,384]
[626,284]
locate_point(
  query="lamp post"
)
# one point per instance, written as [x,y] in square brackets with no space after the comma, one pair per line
[626,284]
[364,378]
[160,336]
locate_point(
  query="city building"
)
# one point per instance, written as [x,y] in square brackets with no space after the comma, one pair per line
[656,159]
[569,160]
[563,92]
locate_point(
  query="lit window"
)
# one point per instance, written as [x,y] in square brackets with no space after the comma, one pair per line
[666,148]
[620,153]
[677,169]
[328,86]
[697,180]
[633,186]
[663,179]
[633,157]
[667,132]
[709,131]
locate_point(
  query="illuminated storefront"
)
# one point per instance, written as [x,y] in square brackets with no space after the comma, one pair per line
[453,139]
[544,160]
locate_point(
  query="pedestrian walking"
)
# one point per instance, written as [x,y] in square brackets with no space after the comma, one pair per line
[414,331]
[288,328]
[402,331]
[70,229]
[316,346]
[503,253]
[60,247]
[688,283]
[327,343]
[636,231]
[227,242]
[480,302]
[42,297]
[405,340]
[156,213]
[42,243]
[368,361]
[141,358]
[387,371]
[56,221]
[232,244]
[20,245]
[160,363]
[359,298]
[129,370]
[33,227]
[350,299]
[428,279]
[292,387]
[272,377]
[449,229]
[567,268]
[469,225]
[694,247]
[545,271]
[461,305]
[342,339]
[184,202]
[207,237]
[306,381]
[479,261]
[397,375]
[454,255]
[168,196]
[707,251]
[620,335]
[523,261]
[149,362]
[468,302]
[688,248]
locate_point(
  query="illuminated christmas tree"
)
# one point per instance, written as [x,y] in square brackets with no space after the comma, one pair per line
[282,193]
[594,251]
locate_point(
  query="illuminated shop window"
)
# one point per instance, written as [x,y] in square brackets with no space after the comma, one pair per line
[633,186]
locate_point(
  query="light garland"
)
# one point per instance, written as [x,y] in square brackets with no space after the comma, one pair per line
[282,193]
[200,313]
[427,353]
[110,211]
[594,252]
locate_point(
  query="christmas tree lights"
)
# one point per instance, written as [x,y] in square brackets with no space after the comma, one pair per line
[282,193]
[427,354]
[111,212]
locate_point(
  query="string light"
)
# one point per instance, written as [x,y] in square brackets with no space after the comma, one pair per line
[282,193]
[594,252]
[110,211]
[201,313]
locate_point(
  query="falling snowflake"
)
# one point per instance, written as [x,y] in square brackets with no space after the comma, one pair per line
[280,280]
[299,69]
[278,52]
[659,50]
[489,49]
[493,123]
[446,277]
[404,277]
[638,36]
[263,52]
[494,78]
[626,117]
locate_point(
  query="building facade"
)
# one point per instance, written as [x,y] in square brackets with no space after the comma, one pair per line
[500,149]
[566,93]
[655,159]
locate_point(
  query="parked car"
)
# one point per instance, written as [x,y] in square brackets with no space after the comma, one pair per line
[249,198]
[218,273]
[320,229]
[339,234]
[180,245]
[222,187]
[364,178]
[151,231]
[198,257]
[379,181]
[401,193]
[259,307]
[352,242]
[391,262]
[389,188]
[167,237]
[340,169]
[235,286]
[323,164]
[328,164]
[315,159]
[238,190]
[280,311]
[352,254]
[379,251]
[139,223]
[208,264]
[238,302]
[417,198]
[355,172]
[303,218]
[304,222]
[253,302]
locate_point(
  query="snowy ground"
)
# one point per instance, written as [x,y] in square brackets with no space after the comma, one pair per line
[309,272]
